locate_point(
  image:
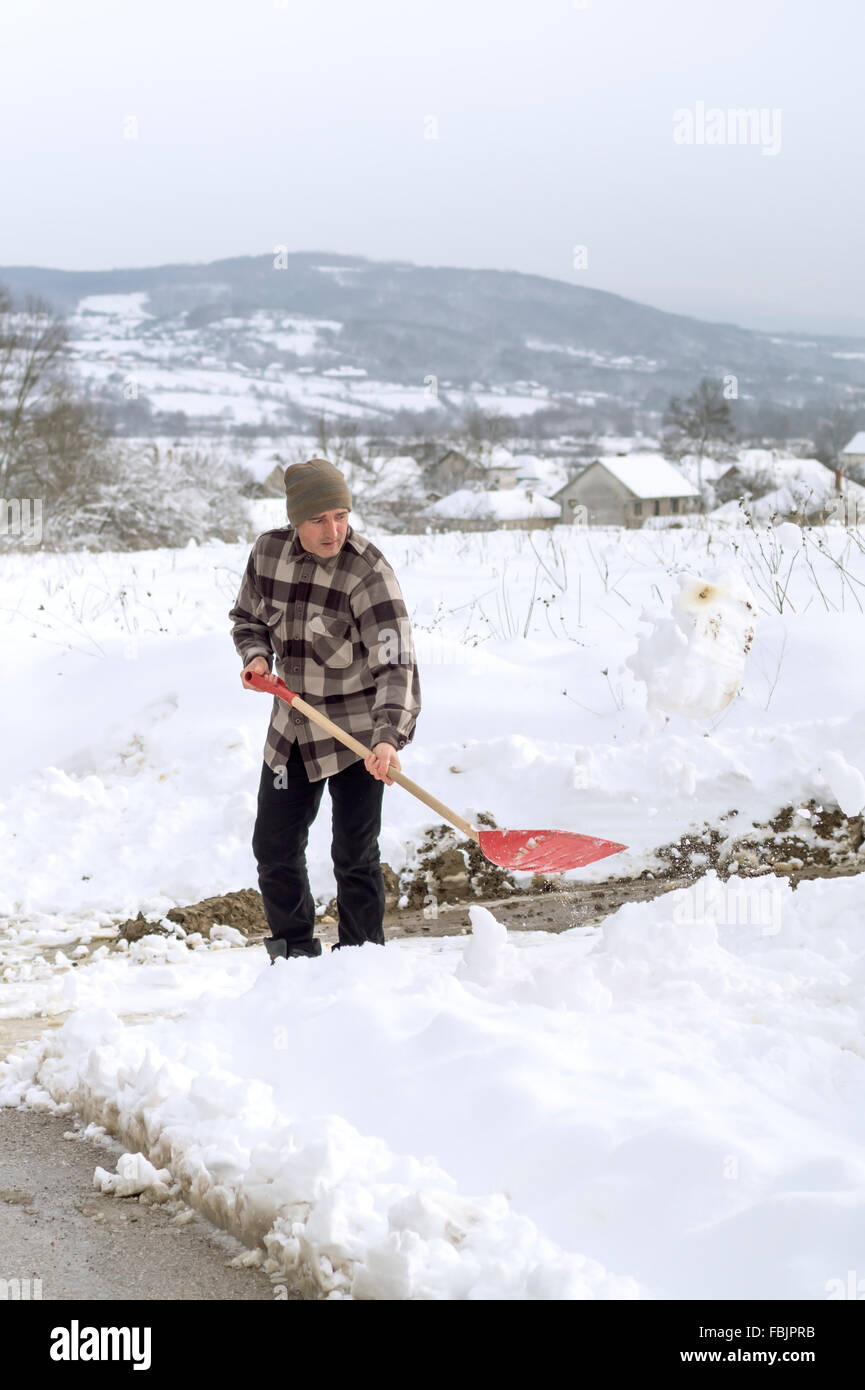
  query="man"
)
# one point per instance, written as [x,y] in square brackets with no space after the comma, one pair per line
[325,602]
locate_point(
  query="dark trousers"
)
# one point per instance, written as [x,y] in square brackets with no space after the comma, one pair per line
[285,813]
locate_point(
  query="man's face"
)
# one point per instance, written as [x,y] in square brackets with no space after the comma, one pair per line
[323,535]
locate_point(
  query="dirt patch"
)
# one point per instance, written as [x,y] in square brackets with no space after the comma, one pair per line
[448,874]
[448,868]
[243,910]
[805,841]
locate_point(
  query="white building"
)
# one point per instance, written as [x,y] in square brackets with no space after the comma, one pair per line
[500,467]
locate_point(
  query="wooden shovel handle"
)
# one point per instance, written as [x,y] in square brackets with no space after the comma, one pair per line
[350,742]
[269,683]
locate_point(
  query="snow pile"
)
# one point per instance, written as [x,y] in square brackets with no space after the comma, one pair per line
[669,1107]
[692,662]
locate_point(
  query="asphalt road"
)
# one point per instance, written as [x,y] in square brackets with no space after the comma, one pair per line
[56,1227]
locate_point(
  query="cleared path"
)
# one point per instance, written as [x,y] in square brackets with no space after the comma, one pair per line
[57,1228]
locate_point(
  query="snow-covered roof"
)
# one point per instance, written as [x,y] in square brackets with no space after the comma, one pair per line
[509,504]
[497,457]
[649,476]
[547,475]
[856,445]
[784,471]
[803,492]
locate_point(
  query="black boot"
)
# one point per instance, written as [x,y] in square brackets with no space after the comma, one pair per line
[278,947]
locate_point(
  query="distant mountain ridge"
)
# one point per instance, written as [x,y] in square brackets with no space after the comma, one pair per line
[466,331]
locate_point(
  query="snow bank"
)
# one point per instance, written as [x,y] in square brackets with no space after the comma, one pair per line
[670,1107]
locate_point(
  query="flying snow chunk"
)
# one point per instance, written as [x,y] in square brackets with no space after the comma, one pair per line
[846,782]
[693,660]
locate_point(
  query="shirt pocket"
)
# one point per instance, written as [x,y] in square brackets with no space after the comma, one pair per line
[331,641]
[275,615]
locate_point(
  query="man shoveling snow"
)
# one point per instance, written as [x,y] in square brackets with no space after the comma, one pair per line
[326,604]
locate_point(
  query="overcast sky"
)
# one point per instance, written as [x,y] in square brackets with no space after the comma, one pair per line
[485,133]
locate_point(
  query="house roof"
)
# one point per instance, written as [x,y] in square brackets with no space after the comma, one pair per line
[497,457]
[856,445]
[807,490]
[508,504]
[645,475]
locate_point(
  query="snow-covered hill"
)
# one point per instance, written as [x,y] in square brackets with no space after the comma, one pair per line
[264,341]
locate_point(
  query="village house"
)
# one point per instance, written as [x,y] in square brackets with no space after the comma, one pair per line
[453,470]
[795,489]
[274,484]
[499,468]
[853,454]
[626,490]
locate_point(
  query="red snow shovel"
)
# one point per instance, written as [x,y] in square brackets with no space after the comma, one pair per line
[541,851]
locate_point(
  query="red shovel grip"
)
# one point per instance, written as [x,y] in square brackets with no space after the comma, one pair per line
[274,685]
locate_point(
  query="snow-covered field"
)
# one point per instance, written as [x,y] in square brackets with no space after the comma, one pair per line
[667,1106]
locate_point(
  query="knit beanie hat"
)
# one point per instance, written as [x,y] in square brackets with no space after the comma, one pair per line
[314,487]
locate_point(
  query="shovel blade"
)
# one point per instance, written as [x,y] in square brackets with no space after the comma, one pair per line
[544,851]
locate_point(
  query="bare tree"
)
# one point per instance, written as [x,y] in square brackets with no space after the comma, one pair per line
[481,427]
[98,492]
[700,424]
[32,378]
[835,429]
[337,439]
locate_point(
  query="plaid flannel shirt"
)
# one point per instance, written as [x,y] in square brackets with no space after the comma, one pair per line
[339,630]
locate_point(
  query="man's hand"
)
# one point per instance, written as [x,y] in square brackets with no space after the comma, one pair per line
[380,761]
[260,666]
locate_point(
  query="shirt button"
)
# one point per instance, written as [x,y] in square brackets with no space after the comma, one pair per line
[297,719]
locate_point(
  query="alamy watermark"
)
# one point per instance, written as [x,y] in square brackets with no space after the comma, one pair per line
[852,1288]
[77,1343]
[20,1290]
[845,509]
[21,517]
[740,904]
[735,125]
